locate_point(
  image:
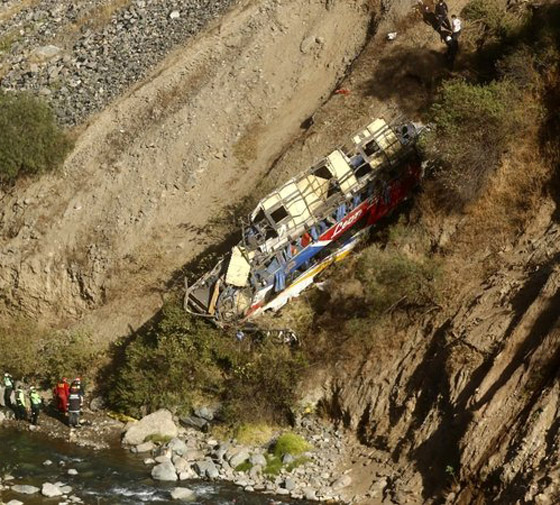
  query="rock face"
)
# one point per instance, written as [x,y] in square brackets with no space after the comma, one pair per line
[164,471]
[474,391]
[158,423]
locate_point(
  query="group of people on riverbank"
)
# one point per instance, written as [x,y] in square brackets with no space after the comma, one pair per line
[69,399]
[448,30]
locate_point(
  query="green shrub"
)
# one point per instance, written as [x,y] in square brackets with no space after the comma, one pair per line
[290,443]
[244,467]
[157,438]
[273,465]
[31,142]
[473,125]
[181,358]
[167,365]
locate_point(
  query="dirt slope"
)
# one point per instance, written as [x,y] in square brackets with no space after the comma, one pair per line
[97,243]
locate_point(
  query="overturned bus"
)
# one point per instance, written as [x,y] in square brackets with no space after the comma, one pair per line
[314,219]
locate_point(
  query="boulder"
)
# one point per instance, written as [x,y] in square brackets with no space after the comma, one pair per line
[310,494]
[149,461]
[181,465]
[193,455]
[207,413]
[258,460]
[194,422]
[289,484]
[72,471]
[145,447]
[183,494]
[164,471]
[177,446]
[50,490]
[65,489]
[14,502]
[158,423]
[187,474]
[98,403]
[240,457]
[206,468]
[22,489]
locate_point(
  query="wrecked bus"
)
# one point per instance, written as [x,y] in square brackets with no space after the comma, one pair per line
[314,219]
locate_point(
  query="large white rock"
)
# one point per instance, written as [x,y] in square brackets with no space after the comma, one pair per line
[50,490]
[14,502]
[183,494]
[164,471]
[25,489]
[158,423]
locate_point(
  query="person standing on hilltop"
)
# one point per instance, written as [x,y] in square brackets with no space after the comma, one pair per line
[61,392]
[8,389]
[456,25]
[442,15]
[21,405]
[36,402]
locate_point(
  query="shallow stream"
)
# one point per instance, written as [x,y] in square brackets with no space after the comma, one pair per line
[111,476]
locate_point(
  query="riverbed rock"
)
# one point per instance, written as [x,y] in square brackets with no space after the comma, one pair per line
[258,460]
[158,423]
[193,455]
[206,468]
[238,458]
[47,462]
[14,502]
[23,489]
[164,471]
[180,464]
[194,422]
[72,471]
[183,494]
[145,447]
[50,490]
[177,446]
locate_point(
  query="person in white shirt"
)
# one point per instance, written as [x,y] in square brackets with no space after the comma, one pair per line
[455,27]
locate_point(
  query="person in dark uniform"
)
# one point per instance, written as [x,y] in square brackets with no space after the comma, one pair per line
[442,16]
[75,401]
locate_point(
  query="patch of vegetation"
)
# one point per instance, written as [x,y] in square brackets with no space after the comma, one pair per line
[37,355]
[244,467]
[273,466]
[157,438]
[180,358]
[290,443]
[31,141]
[253,434]
[473,125]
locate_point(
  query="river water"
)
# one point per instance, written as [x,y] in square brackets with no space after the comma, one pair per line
[111,476]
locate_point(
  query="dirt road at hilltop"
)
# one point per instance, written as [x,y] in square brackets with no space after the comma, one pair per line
[96,244]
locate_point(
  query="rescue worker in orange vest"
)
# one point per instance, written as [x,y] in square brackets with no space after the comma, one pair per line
[61,393]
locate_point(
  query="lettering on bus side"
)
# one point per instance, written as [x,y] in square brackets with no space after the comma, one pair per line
[347,222]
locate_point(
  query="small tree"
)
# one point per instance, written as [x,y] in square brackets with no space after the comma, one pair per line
[30,141]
